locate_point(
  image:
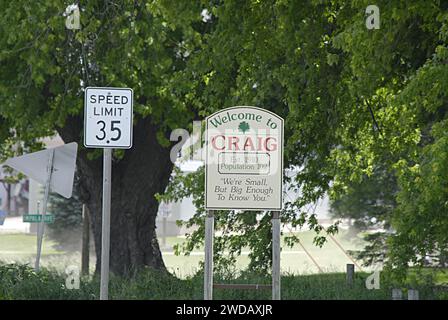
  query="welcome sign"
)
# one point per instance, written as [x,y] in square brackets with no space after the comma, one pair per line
[244,160]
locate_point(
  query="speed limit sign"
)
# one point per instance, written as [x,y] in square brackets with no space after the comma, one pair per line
[107,125]
[108,118]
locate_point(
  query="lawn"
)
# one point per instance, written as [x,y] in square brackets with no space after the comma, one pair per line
[21,282]
[21,245]
[21,248]
[330,257]
[300,278]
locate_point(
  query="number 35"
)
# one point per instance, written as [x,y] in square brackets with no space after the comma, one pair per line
[112,129]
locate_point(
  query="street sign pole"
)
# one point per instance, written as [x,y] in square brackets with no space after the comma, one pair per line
[36,267]
[208,260]
[276,255]
[108,125]
[41,225]
[105,230]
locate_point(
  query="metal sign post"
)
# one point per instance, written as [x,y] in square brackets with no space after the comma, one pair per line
[108,114]
[36,263]
[105,229]
[208,260]
[41,225]
[275,255]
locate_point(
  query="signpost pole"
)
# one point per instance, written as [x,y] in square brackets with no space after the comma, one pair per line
[41,225]
[107,125]
[208,263]
[276,255]
[105,230]
[36,267]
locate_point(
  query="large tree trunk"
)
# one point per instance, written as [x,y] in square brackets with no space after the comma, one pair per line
[143,172]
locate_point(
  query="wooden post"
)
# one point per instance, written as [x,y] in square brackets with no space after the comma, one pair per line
[350,274]
[413,294]
[208,259]
[276,255]
[8,198]
[397,294]
[85,252]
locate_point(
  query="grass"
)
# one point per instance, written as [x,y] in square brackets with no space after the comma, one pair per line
[330,257]
[21,248]
[300,277]
[24,244]
[21,282]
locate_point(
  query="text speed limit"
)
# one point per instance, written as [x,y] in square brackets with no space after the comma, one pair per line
[108,118]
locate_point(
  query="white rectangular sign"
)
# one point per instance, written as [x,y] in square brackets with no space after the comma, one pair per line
[108,118]
[244,160]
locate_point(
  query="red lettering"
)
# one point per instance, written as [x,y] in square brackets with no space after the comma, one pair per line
[273,146]
[248,143]
[214,142]
[259,144]
[234,141]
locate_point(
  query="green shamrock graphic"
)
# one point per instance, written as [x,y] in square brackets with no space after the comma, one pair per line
[244,126]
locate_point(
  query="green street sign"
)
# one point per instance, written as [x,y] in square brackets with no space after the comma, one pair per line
[36,218]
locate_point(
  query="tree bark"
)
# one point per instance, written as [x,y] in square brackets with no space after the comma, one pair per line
[8,199]
[142,172]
